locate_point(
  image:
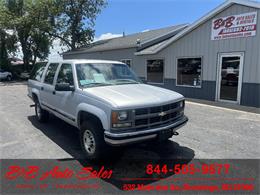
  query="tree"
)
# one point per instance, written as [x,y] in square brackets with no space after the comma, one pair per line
[75,20]
[36,23]
[7,45]
[7,40]
[40,46]
[26,18]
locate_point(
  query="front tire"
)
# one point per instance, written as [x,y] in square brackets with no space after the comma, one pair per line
[92,140]
[41,114]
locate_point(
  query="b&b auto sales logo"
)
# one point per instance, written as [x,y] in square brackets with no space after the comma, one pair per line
[144,176]
[243,25]
[32,172]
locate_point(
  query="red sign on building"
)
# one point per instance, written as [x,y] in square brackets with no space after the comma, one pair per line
[242,25]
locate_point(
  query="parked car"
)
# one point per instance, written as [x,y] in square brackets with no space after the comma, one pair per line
[5,75]
[24,75]
[107,102]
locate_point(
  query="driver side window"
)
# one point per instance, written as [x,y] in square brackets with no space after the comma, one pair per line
[65,74]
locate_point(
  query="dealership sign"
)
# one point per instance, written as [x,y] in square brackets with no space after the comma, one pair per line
[242,25]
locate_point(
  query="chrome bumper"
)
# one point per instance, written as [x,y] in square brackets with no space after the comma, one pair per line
[137,136]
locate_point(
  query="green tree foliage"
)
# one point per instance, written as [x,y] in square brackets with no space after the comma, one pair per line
[26,19]
[7,45]
[36,23]
[7,40]
[74,20]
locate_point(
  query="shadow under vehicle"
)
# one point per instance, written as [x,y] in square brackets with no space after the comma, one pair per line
[128,162]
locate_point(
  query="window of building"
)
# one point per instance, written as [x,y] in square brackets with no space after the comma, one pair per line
[50,73]
[65,74]
[128,62]
[155,71]
[189,71]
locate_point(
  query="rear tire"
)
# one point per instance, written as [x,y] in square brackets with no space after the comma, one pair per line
[41,114]
[92,141]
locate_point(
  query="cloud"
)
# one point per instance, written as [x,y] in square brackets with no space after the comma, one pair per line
[146,30]
[107,36]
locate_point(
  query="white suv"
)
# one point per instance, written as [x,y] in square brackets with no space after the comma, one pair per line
[5,75]
[106,101]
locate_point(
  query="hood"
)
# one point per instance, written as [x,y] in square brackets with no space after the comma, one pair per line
[134,95]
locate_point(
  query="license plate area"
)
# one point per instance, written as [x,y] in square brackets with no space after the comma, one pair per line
[165,134]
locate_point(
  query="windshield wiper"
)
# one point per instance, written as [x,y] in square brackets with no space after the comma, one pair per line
[126,81]
[95,84]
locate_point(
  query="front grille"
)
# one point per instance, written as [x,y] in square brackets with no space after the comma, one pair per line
[153,117]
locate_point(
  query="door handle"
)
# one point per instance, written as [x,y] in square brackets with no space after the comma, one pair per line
[42,88]
[54,92]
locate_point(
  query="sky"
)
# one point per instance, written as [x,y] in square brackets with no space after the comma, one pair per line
[131,16]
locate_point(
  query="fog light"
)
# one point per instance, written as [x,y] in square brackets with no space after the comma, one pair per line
[122,125]
[181,112]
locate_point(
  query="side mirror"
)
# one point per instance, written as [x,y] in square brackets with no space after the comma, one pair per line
[64,87]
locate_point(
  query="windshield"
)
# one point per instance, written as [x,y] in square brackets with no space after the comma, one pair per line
[99,74]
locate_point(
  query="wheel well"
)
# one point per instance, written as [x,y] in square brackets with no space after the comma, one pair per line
[83,116]
[34,97]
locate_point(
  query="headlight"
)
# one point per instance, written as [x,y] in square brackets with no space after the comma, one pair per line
[119,116]
[120,119]
[122,116]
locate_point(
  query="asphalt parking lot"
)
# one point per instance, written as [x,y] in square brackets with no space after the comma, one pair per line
[211,132]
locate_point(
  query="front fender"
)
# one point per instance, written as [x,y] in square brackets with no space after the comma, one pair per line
[95,111]
[36,92]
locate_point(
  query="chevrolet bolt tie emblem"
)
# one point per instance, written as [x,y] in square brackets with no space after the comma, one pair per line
[162,114]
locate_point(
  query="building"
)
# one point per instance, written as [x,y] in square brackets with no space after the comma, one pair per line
[216,58]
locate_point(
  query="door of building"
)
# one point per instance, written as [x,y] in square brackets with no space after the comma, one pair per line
[229,81]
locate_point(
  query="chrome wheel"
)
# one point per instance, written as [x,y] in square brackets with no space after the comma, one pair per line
[89,142]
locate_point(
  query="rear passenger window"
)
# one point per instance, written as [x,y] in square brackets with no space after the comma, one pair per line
[49,76]
[65,74]
[37,71]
